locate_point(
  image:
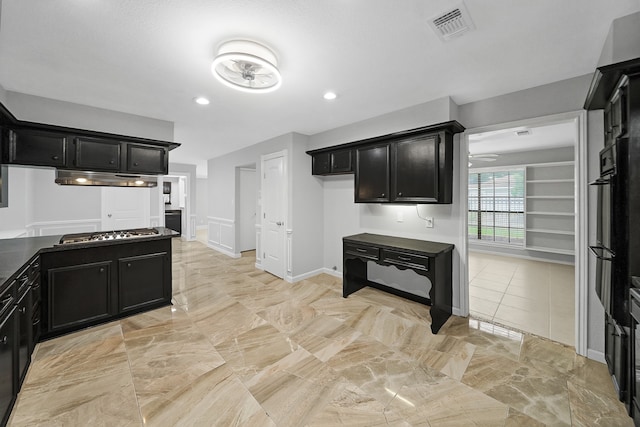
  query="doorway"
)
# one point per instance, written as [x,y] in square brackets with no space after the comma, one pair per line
[125,208]
[274,184]
[247,203]
[524,193]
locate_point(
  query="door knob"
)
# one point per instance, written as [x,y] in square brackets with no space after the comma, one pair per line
[279,223]
[109,215]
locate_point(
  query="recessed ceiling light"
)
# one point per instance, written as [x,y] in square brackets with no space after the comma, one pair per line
[329,96]
[201,100]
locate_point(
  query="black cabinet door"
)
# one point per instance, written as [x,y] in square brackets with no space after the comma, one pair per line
[415,170]
[173,220]
[147,159]
[32,147]
[372,174]
[144,280]
[24,335]
[8,372]
[320,164]
[79,294]
[96,154]
[342,161]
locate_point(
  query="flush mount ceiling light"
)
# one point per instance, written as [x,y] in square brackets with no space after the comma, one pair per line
[330,96]
[247,66]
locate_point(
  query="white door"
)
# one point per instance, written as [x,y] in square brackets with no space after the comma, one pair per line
[125,208]
[274,205]
[247,209]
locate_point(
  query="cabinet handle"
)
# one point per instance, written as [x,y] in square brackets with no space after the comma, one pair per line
[361,250]
[55,157]
[101,269]
[128,264]
[23,310]
[382,195]
[5,340]
[111,162]
[400,194]
[136,164]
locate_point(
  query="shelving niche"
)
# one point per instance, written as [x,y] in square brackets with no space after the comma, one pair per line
[550,208]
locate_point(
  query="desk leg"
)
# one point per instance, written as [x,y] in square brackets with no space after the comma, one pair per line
[354,276]
[441,292]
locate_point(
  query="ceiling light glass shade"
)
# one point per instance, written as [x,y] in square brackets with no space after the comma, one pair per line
[247,66]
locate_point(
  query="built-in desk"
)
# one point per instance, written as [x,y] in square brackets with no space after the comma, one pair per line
[429,259]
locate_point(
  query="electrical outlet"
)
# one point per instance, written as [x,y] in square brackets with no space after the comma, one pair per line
[428,222]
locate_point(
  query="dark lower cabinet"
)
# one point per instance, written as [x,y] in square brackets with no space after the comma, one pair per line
[8,383]
[24,335]
[79,294]
[92,285]
[143,281]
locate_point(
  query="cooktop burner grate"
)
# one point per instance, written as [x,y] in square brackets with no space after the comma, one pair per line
[107,235]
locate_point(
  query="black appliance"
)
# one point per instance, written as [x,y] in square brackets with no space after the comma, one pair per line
[616,90]
[634,308]
[107,235]
[173,219]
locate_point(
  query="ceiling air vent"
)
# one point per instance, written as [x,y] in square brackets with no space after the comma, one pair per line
[453,23]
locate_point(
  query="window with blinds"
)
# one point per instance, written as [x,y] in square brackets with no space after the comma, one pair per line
[496,206]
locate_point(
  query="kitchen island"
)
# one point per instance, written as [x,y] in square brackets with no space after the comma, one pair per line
[49,288]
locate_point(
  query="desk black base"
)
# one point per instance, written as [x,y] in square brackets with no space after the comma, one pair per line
[429,259]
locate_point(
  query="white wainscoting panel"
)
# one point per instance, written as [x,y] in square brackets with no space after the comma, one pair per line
[193,227]
[221,236]
[52,228]
[259,246]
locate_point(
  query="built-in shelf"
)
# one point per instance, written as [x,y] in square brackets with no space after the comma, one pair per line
[546,231]
[551,250]
[550,209]
[548,181]
[571,214]
[550,197]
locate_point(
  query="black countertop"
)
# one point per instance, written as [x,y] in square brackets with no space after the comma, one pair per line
[14,253]
[391,242]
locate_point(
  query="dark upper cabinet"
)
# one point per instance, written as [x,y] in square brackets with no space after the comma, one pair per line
[415,170]
[332,162]
[372,174]
[96,154]
[147,159]
[413,166]
[36,148]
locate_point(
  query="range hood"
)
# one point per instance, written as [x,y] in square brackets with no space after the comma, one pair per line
[104,179]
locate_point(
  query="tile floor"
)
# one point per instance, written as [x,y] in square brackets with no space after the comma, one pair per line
[240,347]
[533,296]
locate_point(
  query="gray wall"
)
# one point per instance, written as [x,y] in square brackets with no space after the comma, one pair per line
[623,40]
[554,98]
[202,201]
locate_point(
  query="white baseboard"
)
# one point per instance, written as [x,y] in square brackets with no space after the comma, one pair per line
[306,275]
[259,266]
[332,272]
[224,251]
[598,356]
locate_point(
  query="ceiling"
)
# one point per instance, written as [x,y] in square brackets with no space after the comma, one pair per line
[152,57]
[539,137]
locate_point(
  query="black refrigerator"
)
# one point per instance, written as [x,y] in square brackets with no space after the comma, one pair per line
[616,90]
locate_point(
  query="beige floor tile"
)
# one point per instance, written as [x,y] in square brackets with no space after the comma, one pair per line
[527,304]
[489,284]
[243,348]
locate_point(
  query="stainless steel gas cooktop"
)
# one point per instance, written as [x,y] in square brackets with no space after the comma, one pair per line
[107,235]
